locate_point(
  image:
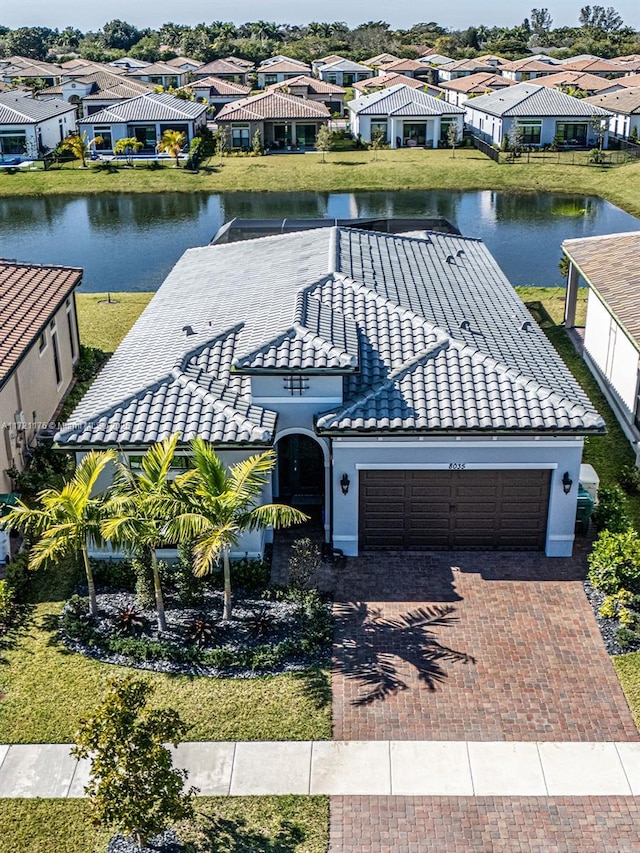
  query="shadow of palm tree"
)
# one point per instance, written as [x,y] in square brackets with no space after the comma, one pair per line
[217,834]
[316,684]
[372,645]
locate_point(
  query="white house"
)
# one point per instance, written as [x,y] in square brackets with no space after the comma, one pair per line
[217,92]
[405,116]
[279,70]
[530,68]
[458,91]
[543,115]
[146,117]
[29,127]
[159,74]
[458,68]
[609,265]
[344,72]
[411,399]
[625,106]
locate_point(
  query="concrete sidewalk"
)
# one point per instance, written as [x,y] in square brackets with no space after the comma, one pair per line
[358,768]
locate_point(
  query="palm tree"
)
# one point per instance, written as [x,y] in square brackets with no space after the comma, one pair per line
[77,144]
[66,520]
[215,506]
[136,511]
[172,142]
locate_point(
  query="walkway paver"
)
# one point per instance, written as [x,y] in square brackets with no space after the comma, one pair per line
[539,671]
[357,768]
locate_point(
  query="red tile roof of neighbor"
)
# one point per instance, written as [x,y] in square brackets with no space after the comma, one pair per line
[29,296]
[630,81]
[603,66]
[577,79]
[219,87]
[313,86]
[284,67]
[385,81]
[404,65]
[481,81]
[272,105]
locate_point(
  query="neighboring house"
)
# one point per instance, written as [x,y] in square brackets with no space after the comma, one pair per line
[435,59]
[609,265]
[278,72]
[313,90]
[463,68]
[19,69]
[598,67]
[217,92]
[543,115]
[406,117]
[460,90]
[630,81]
[625,106]
[128,62]
[38,349]
[30,127]
[530,69]
[405,388]
[285,122]
[344,72]
[317,64]
[184,63]
[386,81]
[146,117]
[408,67]
[223,69]
[99,99]
[380,59]
[74,89]
[580,80]
[492,59]
[159,74]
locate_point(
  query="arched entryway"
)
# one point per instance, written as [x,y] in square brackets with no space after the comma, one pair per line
[301,475]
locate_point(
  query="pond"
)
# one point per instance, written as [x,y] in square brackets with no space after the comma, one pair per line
[131,241]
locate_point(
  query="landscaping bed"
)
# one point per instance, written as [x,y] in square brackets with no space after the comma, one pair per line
[610,628]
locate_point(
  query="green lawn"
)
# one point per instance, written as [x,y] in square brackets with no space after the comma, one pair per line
[224,825]
[104,324]
[344,171]
[628,669]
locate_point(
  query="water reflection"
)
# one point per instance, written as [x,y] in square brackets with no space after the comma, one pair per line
[130,242]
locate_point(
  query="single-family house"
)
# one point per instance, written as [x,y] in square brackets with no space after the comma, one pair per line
[460,90]
[278,72]
[30,70]
[463,68]
[411,399]
[408,67]
[279,57]
[581,81]
[184,63]
[379,60]
[38,349]
[223,69]
[386,81]
[74,88]
[599,67]
[146,117]
[405,117]
[313,90]
[99,98]
[216,92]
[159,74]
[625,106]
[543,115]
[435,59]
[492,59]
[344,72]
[611,335]
[630,81]
[29,127]
[286,122]
[317,64]
[631,62]
[530,68]
[128,62]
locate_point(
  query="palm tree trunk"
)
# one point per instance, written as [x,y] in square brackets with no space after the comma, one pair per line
[93,603]
[226,614]
[162,622]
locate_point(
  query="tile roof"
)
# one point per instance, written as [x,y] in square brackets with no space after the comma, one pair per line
[220,66]
[272,105]
[400,65]
[345,65]
[150,106]
[630,81]
[578,79]
[401,101]
[284,67]
[216,86]
[29,297]
[465,65]
[529,99]
[532,64]
[123,91]
[156,69]
[16,109]
[311,84]
[179,61]
[625,101]
[610,265]
[381,59]
[427,333]
[596,65]
[480,82]
[386,81]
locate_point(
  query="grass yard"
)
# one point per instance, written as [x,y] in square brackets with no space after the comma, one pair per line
[104,324]
[259,825]
[628,669]
[343,171]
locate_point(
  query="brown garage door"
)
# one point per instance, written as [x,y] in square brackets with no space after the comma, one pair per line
[454,509]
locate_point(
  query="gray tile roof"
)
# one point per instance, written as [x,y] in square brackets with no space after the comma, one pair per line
[402,100]
[345,65]
[16,109]
[148,107]
[427,333]
[527,99]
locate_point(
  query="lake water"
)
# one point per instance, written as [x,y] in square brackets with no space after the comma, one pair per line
[130,242]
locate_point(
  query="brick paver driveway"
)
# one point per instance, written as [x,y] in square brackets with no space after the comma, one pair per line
[514,652]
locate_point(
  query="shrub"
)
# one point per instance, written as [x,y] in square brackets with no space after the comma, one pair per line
[626,637]
[7,605]
[76,622]
[630,479]
[190,588]
[259,623]
[47,468]
[303,562]
[202,632]
[130,622]
[614,563]
[89,362]
[251,575]
[611,512]
[596,156]
[17,574]
[114,574]
[628,618]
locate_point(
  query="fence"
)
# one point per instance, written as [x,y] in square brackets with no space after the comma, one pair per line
[623,152]
[485,148]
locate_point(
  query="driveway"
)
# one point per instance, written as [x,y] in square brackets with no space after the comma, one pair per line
[471,646]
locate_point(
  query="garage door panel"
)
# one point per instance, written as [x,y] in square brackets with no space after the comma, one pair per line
[454,509]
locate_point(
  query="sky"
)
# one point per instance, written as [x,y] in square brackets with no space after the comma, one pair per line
[456,14]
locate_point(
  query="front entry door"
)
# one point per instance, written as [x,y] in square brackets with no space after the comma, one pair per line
[300,471]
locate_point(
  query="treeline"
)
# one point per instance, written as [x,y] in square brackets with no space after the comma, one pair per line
[600,30]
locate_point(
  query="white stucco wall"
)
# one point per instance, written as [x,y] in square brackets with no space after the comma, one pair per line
[493,128]
[350,455]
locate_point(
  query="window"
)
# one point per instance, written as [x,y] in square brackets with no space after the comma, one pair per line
[178,463]
[573,133]
[103,131]
[72,334]
[296,385]
[636,414]
[240,136]
[611,349]
[531,132]
[42,342]
[270,79]
[445,124]
[12,142]
[380,127]
[56,357]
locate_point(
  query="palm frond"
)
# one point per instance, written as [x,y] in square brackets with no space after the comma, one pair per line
[207,549]
[156,463]
[248,478]
[208,467]
[275,515]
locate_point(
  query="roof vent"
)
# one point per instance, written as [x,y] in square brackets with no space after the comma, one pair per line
[460,253]
[526,326]
[451,259]
[465,326]
[188,330]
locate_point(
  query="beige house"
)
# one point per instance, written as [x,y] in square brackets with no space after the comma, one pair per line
[38,349]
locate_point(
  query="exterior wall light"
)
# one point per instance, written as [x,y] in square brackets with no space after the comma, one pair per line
[345,482]
[567,482]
